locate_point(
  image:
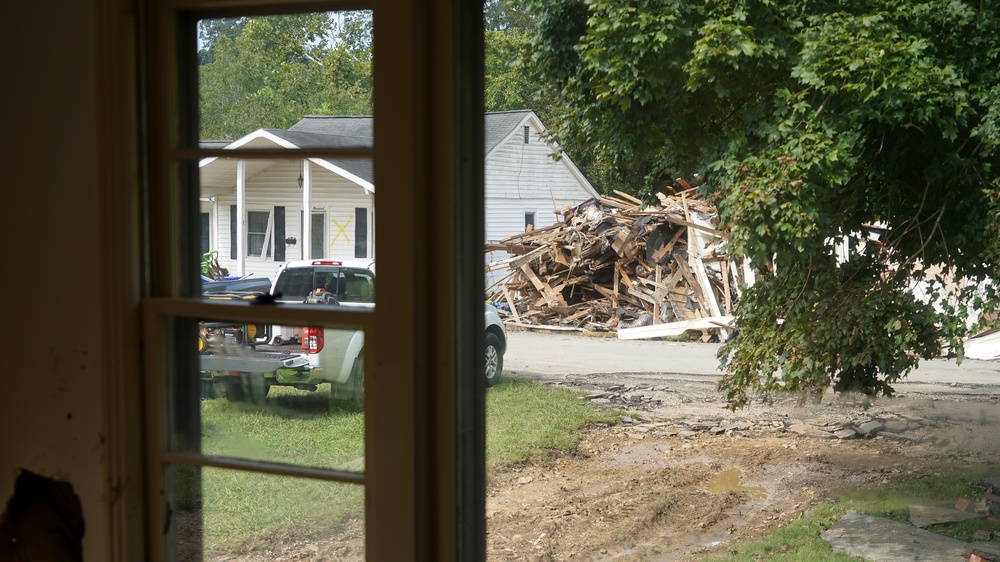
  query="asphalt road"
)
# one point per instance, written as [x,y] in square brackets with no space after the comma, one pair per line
[558,356]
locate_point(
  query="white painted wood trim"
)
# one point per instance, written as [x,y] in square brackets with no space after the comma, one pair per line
[368,186]
[305,245]
[675,328]
[241,213]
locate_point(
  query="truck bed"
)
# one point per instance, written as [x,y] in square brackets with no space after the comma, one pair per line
[246,360]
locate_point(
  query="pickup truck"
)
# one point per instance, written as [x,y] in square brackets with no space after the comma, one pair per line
[248,367]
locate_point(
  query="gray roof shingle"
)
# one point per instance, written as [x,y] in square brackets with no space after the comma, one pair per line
[499,126]
[337,131]
[360,167]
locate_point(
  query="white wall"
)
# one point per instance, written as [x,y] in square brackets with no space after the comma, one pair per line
[53,399]
[524,178]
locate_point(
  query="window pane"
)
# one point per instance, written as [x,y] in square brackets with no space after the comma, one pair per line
[223,514]
[270,72]
[290,395]
[286,83]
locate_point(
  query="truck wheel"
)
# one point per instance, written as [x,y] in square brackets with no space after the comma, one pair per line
[252,388]
[357,382]
[352,392]
[208,390]
[494,359]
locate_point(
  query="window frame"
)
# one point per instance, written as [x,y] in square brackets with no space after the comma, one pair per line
[425,486]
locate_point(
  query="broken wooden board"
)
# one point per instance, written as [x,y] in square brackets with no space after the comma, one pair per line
[674,329]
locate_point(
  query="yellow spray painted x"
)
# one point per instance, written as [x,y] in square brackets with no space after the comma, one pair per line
[341,230]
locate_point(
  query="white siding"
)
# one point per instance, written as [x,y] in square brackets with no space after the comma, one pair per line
[524,178]
[506,216]
[277,186]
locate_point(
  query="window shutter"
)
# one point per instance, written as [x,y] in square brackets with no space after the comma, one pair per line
[360,232]
[232,232]
[279,234]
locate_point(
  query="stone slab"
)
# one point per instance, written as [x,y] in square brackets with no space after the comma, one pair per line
[883,540]
[922,515]
[869,427]
[988,550]
[807,430]
[992,482]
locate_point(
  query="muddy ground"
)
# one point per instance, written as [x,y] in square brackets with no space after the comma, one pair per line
[682,477]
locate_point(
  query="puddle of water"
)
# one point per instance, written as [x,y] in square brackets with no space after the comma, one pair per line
[712,539]
[729,481]
[640,455]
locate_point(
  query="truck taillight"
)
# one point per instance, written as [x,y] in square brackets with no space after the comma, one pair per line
[312,339]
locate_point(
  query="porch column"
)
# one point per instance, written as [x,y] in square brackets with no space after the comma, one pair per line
[306,210]
[241,217]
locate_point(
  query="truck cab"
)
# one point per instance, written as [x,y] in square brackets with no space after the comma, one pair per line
[348,282]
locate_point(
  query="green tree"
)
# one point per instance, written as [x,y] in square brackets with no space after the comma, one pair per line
[507,15]
[271,71]
[280,68]
[209,32]
[507,85]
[806,122]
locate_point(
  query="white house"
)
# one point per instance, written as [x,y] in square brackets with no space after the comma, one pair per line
[252,211]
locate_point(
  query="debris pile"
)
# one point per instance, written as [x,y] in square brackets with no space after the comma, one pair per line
[614,264]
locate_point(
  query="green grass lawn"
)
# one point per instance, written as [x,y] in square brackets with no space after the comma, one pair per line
[246,511]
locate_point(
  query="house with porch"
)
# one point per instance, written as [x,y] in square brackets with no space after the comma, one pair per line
[259,214]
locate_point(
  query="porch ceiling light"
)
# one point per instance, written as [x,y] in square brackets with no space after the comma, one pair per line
[299,180]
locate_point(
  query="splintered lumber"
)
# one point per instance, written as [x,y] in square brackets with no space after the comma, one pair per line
[550,296]
[614,264]
[510,304]
[675,328]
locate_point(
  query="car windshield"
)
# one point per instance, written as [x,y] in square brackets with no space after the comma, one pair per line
[347,284]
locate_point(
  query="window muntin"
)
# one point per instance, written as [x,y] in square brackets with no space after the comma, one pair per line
[263,401]
[213,502]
